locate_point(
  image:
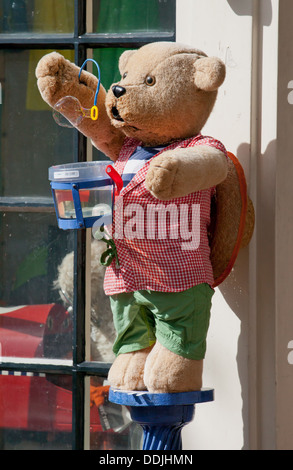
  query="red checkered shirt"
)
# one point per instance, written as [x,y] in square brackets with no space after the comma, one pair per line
[161,245]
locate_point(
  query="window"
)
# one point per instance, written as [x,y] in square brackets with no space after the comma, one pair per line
[53,393]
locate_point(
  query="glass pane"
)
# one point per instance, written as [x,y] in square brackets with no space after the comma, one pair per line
[31,141]
[129,16]
[35,411]
[102,333]
[111,427]
[33,320]
[37,16]
[107,59]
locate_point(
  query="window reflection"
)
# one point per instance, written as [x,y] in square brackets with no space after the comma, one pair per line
[102,328]
[35,413]
[36,258]
[128,16]
[38,16]
[31,141]
[111,427]
[33,320]
[36,290]
[107,59]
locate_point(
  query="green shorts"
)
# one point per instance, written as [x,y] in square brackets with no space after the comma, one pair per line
[178,320]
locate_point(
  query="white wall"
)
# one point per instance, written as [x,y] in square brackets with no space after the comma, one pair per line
[249,358]
[284,233]
[214,27]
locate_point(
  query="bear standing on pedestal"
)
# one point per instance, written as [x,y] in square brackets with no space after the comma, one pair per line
[161,283]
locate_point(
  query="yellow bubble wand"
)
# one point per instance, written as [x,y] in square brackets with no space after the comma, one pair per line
[94,109]
[71,106]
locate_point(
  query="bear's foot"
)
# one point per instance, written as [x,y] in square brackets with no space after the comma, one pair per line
[127,370]
[166,372]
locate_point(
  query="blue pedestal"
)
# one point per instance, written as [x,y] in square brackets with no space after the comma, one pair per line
[161,415]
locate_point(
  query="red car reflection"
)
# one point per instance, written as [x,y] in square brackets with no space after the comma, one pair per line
[38,402]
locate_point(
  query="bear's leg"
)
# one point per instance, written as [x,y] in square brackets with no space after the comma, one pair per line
[127,370]
[167,372]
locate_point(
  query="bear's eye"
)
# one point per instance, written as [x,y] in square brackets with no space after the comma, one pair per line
[150,80]
[124,75]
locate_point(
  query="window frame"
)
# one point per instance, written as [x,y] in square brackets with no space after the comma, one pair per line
[79,367]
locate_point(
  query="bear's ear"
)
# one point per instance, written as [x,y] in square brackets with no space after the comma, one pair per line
[209,73]
[123,59]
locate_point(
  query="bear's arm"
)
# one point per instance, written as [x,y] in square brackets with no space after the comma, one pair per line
[57,78]
[182,171]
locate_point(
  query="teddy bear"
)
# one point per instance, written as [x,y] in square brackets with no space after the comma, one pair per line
[162,278]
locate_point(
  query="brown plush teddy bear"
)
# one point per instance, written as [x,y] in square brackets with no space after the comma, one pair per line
[161,282]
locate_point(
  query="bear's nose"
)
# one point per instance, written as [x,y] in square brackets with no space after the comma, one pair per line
[118,91]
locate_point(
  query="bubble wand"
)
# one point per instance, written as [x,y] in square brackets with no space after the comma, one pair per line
[94,108]
[71,106]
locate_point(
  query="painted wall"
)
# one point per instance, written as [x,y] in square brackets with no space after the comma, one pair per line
[214,28]
[248,359]
[284,233]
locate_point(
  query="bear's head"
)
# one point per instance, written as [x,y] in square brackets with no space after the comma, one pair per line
[166,92]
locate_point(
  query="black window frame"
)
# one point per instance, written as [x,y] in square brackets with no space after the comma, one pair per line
[80,42]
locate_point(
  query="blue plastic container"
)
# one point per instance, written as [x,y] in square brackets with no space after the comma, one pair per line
[82,193]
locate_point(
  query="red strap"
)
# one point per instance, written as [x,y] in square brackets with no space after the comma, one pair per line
[114,175]
[243,193]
